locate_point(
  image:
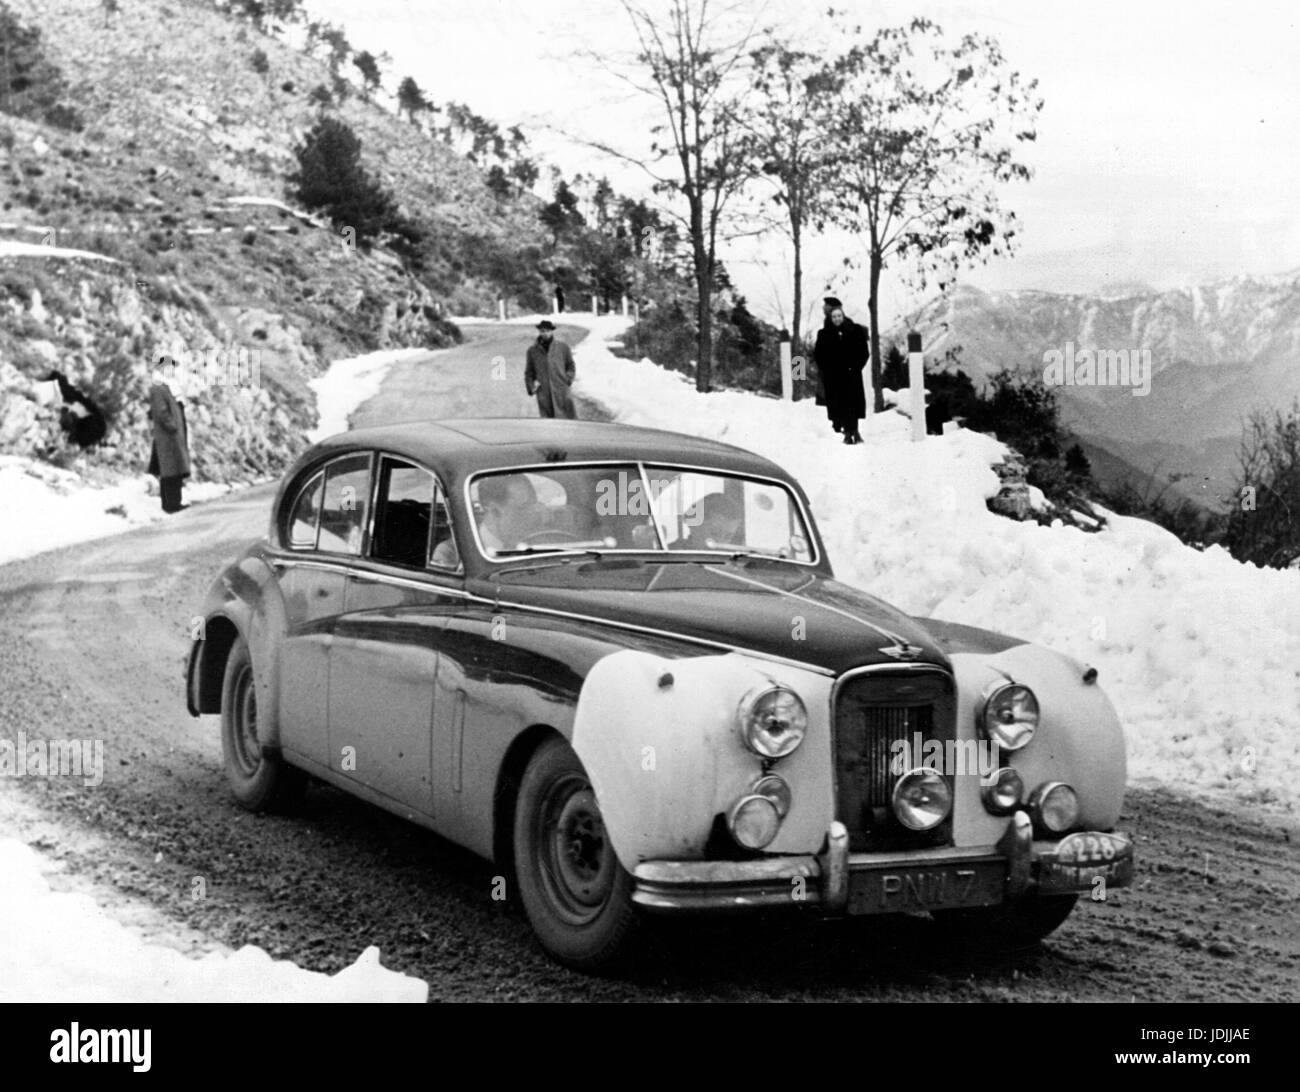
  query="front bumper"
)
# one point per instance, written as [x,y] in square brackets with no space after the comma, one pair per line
[839,882]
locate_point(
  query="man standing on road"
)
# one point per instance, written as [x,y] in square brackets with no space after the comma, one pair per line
[549,372]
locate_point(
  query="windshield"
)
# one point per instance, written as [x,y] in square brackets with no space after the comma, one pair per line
[635,507]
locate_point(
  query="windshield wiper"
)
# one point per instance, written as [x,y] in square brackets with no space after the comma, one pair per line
[568,557]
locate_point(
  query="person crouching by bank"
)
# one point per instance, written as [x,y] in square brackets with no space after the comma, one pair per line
[170,459]
[549,372]
[841,353]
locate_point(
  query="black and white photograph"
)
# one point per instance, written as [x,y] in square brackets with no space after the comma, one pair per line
[650,501]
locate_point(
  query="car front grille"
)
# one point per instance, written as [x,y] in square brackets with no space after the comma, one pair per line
[875,711]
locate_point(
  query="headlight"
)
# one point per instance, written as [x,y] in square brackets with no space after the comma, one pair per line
[922,799]
[1010,716]
[772,721]
[1001,794]
[1054,807]
[754,821]
[776,790]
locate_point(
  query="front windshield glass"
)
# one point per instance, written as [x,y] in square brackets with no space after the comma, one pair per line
[629,507]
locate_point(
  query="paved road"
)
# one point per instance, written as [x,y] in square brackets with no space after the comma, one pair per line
[92,645]
[482,378]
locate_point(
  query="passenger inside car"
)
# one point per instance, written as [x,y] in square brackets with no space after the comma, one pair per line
[714,521]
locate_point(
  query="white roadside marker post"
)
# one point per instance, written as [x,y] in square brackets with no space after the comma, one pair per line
[625,307]
[916,377]
[501,310]
[595,306]
[787,379]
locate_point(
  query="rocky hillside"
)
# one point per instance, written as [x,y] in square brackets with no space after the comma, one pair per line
[1217,352]
[171,155]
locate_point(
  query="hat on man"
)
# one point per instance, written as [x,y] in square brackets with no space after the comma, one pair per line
[831,301]
[546,324]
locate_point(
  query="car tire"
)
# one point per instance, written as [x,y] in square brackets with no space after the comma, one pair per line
[1013,926]
[577,895]
[258,781]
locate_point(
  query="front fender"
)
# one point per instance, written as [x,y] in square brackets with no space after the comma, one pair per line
[658,739]
[1079,740]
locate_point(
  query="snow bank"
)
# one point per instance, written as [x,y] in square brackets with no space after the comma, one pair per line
[11,248]
[1200,653]
[347,384]
[57,947]
[46,507]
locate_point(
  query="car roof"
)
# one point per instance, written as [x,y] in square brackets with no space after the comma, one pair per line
[461,447]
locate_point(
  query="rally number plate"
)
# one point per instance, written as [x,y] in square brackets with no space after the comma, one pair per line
[1083,859]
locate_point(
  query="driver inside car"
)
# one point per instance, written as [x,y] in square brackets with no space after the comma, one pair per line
[511,511]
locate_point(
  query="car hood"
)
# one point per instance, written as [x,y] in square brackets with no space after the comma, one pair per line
[777,610]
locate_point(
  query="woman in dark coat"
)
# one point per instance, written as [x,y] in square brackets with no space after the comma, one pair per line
[841,353]
[170,458]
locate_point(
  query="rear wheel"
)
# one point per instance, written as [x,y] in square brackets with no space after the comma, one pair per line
[258,781]
[577,895]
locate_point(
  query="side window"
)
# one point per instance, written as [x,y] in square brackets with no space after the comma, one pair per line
[444,555]
[343,512]
[404,509]
[306,514]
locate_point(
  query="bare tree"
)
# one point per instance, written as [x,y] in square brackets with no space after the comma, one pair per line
[925,131]
[1264,512]
[691,62]
[791,145]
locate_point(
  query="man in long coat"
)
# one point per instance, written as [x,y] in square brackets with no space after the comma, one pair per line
[549,372]
[170,458]
[841,353]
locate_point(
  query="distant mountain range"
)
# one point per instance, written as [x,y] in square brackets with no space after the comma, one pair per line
[1217,352]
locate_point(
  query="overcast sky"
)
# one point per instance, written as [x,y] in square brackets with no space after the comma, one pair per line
[1168,150]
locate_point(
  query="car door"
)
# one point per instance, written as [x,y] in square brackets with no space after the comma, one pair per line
[384,659]
[312,577]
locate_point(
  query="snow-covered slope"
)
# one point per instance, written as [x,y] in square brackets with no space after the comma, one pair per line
[1200,653]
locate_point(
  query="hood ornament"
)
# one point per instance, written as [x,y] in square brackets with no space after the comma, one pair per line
[901,649]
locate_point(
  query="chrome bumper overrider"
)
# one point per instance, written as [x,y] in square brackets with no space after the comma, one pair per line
[837,881]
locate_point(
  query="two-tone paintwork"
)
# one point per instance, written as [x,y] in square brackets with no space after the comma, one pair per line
[425,691]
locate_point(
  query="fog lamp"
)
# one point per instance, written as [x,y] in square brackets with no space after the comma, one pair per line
[754,821]
[922,799]
[1054,807]
[1002,792]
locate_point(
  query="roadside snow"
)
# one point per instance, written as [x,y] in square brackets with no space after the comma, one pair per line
[46,507]
[347,384]
[1200,653]
[59,947]
[11,248]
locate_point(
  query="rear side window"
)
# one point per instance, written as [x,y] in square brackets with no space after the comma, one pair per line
[405,505]
[343,511]
[306,515]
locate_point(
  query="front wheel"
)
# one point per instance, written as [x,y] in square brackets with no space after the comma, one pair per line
[258,781]
[577,895]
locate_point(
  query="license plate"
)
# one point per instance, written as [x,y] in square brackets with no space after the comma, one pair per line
[1083,859]
[917,887]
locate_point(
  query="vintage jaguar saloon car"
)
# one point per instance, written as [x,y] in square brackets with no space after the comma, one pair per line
[617,661]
